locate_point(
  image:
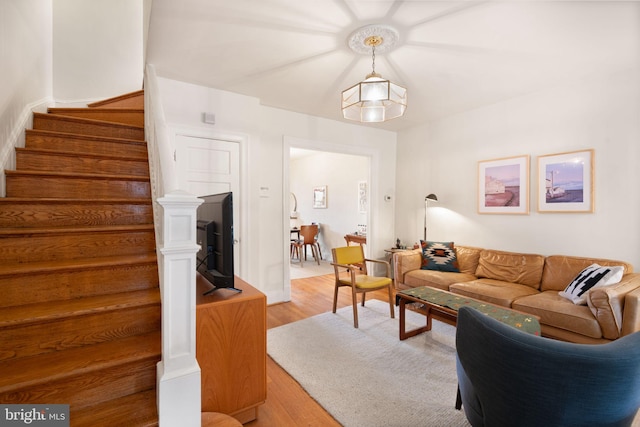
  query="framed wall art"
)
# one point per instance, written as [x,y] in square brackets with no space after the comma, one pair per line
[320,197]
[503,186]
[565,182]
[363,202]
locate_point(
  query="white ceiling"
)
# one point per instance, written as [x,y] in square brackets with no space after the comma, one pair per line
[451,56]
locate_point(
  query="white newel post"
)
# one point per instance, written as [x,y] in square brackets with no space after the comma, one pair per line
[178,372]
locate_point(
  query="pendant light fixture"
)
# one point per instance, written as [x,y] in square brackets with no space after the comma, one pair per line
[374,99]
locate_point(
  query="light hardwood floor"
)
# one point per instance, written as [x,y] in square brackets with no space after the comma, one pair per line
[287,403]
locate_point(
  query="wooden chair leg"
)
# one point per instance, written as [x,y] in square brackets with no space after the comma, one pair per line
[364,295]
[391,310]
[335,296]
[354,301]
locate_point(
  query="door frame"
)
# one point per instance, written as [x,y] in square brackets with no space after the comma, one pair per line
[373,154]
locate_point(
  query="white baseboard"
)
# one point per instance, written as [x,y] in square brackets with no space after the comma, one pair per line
[16,137]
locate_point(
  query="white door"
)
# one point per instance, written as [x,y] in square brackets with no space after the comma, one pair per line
[210,166]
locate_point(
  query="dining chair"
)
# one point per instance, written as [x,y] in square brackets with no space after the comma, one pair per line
[307,238]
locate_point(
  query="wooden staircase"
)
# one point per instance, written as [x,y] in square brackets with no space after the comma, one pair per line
[80,302]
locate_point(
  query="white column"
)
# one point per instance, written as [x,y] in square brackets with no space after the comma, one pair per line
[178,379]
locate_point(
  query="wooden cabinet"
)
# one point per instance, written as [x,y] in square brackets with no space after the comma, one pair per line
[231,349]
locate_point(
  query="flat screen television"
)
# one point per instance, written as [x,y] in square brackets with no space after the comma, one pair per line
[215,237]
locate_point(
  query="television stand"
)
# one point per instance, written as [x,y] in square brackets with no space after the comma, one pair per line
[231,349]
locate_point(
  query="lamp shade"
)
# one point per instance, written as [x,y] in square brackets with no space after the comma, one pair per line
[374,100]
[431,198]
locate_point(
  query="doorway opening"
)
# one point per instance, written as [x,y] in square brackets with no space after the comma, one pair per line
[329,189]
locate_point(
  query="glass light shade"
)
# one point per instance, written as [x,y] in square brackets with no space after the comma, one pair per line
[374,100]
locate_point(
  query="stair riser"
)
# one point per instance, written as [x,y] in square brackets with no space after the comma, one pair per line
[35,288]
[74,187]
[78,144]
[55,123]
[77,331]
[37,161]
[58,247]
[91,388]
[125,116]
[14,215]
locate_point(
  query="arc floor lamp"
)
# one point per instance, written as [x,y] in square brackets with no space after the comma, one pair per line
[430,198]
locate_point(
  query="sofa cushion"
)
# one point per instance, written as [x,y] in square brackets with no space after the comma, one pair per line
[524,269]
[493,291]
[440,256]
[437,279]
[560,270]
[553,310]
[468,258]
[592,277]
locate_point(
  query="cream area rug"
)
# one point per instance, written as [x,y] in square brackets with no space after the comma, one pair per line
[368,377]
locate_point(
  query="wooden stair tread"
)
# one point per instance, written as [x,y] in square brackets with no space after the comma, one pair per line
[138,409]
[62,110]
[75,154]
[85,120]
[76,264]
[52,366]
[127,116]
[138,94]
[77,175]
[45,201]
[53,310]
[26,231]
[83,136]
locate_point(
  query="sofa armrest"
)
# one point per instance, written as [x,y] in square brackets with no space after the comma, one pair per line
[616,315]
[404,262]
[631,318]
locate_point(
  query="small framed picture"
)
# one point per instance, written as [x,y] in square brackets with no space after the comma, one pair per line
[503,186]
[565,182]
[320,197]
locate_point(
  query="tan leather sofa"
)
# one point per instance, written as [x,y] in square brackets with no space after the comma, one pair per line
[530,283]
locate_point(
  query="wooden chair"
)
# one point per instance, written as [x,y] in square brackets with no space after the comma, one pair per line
[349,257]
[308,235]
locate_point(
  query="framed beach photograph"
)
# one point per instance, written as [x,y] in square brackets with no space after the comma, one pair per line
[320,197]
[565,182]
[503,186]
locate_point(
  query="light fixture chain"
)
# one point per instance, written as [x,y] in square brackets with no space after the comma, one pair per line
[373,57]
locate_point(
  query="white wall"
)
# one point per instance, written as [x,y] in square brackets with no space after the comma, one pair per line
[600,112]
[341,174]
[25,61]
[98,47]
[264,170]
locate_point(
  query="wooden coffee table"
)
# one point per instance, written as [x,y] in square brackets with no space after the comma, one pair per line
[444,305]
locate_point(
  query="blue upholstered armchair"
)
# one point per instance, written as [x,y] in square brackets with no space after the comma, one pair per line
[511,378]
